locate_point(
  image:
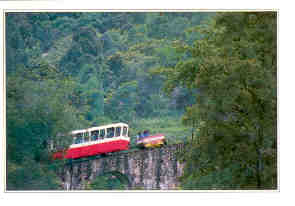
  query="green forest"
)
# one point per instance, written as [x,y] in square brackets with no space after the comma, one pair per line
[206,78]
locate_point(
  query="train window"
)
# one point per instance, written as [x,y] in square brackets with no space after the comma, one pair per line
[78,138]
[74,139]
[94,135]
[118,131]
[125,131]
[110,132]
[101,133]
[86,137]
[146,133]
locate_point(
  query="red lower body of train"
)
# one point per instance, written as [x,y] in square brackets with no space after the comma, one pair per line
[94,148]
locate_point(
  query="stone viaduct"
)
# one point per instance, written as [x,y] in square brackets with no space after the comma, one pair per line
[149,169]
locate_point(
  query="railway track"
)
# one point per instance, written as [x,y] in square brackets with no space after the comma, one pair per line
[120,153]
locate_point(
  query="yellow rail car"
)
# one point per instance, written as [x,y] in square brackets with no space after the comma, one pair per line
[150,141]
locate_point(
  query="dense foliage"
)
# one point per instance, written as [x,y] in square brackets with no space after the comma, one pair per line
[68,71]
[232,72]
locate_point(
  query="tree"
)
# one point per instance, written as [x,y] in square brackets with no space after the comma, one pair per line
[68,71]
[121,103]
[39,109]
[233,67]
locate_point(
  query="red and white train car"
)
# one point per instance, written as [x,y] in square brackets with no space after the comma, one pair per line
[96,141]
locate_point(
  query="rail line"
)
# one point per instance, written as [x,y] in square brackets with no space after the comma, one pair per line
[116,154]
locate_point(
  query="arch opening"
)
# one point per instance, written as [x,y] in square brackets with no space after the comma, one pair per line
[113,180]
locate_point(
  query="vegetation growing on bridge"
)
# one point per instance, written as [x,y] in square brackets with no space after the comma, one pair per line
[155,71]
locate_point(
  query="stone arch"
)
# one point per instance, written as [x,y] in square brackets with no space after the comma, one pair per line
[157,168]
[122,177]
[107,179]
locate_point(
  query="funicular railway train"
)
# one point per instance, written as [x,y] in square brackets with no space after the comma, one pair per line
[105,139]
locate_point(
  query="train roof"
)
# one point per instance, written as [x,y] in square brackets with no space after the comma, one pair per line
[99,127]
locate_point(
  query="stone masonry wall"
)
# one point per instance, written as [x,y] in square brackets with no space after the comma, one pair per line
[150,169]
